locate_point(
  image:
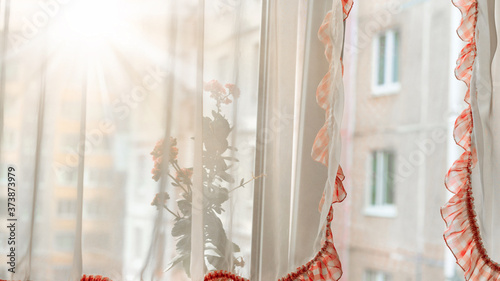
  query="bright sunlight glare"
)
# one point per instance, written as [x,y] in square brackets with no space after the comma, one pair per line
[90,24]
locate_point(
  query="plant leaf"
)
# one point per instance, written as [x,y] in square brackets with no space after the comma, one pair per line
[236,248]
[181,227]
[219,263]
[176,260]
[225,176]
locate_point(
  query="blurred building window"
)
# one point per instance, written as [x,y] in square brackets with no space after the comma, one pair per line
[66,208]
[68,177]
[386,63]
[98,177]
[64,241]
[63,270]
[381,190]
[97,241]
[94,209]
[375,275]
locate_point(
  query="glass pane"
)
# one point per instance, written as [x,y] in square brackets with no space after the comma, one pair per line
[373,188]
[369,276]
[389,176]
[381,60]
[395,61]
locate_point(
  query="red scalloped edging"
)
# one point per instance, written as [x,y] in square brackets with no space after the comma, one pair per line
[462,235]
[347,6]
[89,278]
[326,264]
[94,278]
[223,275]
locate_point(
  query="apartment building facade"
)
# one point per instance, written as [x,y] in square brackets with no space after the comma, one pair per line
[400,98]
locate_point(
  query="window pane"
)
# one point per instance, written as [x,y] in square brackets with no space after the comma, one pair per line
[389,194]
[66,208]
[64,241]
[381,60]
[370,276]
[373,189]
[395,61]
[375,275]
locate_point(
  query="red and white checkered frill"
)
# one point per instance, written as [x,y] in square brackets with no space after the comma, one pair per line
[462,234]
[94,278]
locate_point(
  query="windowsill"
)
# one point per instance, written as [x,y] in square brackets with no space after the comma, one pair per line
[387,211]
[387,89]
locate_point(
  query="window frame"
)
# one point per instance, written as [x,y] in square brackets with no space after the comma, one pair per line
[380,208]
[378,275]
[389,86]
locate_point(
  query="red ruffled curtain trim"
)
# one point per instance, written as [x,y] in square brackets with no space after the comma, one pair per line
[94,278]
[324,266]
[462,234]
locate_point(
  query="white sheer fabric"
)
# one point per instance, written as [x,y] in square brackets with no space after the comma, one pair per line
[96,91]
[487,127]
[472,213]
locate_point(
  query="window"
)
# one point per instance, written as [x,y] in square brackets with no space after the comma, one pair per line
[97,241]
[381,189]
[374,275]
[98,177]
[62,270]
[386,63]
[68,177]
[64,241]
[66,208]
[94,209]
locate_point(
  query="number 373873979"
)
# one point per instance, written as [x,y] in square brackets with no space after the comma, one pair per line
[11,191]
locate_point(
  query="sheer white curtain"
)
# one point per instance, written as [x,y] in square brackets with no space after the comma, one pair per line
[472,214]
[163,140]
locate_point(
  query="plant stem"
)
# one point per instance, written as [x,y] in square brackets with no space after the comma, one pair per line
[243,184]
[176,166]
[178,183]
[177,216]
